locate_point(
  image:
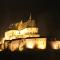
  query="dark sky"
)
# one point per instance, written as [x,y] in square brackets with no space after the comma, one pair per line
[46,13]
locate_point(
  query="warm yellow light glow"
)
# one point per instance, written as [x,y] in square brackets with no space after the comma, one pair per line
[23,33]
[1,47]
[21,46]
[29,30]
[30,43]
[41,43]
[14,45]
[55,45]
[14,34]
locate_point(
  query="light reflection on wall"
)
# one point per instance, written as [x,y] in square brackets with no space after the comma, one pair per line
[41,43]
[30,43]
[55,45]
[14,45]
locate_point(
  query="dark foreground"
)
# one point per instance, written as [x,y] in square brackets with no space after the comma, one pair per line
[30,55]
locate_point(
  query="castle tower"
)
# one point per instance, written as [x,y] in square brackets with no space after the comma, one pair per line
[21,22]
[20,25]
[30,18]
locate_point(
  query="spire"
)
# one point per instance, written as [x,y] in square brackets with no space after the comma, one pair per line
[21,22]
[30,16]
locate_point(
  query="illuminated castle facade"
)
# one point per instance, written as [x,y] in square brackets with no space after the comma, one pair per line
[25,36]
[23,30]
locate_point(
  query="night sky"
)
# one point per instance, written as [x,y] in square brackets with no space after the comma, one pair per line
[46,13]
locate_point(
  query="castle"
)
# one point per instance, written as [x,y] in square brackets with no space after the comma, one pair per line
[24,36]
